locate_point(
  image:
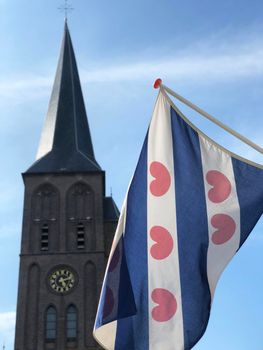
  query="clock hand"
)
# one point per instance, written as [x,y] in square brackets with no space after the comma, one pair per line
[62,281]
[66,279]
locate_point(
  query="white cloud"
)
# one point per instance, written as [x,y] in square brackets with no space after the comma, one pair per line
[22,88]
[202,68]
[203,63]
[7,327]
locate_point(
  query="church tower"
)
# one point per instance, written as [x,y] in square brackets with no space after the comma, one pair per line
[68,225]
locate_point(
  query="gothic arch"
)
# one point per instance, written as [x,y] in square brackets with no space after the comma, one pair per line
[71,323]
[45,214]
[80,217]
[45,203]
[51,323]
[80,202]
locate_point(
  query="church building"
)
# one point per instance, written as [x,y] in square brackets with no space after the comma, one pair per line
[68,225]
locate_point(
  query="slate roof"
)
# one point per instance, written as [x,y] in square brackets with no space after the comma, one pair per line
[111,211]
[65,144]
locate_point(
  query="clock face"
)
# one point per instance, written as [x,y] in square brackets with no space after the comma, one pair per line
[62,280]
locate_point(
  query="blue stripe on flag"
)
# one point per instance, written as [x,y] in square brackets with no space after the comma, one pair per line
[118,280]
[249,185]
[132,332]
[192,230]
[126,302]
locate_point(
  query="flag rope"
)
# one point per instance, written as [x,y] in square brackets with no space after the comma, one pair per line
[212,119]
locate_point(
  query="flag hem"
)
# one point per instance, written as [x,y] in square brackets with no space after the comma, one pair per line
[234,155]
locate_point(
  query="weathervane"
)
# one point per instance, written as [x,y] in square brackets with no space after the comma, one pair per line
[66,8]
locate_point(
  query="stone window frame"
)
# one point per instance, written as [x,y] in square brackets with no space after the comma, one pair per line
[80,237]
[40,220]
[72,323]
[49,323]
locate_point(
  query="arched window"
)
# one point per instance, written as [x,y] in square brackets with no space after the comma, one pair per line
[51,324]
[80,214]
[45,203]
[72,323]
[45,211]
[80,203]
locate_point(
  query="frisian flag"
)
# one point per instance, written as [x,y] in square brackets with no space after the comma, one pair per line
[189,208]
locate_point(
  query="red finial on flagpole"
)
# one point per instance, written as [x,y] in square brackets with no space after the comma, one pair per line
[157,83]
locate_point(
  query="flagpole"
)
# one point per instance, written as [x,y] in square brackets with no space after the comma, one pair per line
[158,83]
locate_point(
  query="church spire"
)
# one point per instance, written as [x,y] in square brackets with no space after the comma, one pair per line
[65,144]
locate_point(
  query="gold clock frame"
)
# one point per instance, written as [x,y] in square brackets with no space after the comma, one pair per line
[65,287]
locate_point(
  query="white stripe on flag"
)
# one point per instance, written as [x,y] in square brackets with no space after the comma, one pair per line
[165,305]
[223,211]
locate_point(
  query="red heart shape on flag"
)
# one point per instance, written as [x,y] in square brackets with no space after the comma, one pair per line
[115,259]
[164,242]
[226,228]
[167,305]
[109,303]
[221,186]
[162,182]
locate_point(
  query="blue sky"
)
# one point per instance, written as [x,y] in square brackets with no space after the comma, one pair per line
[211,52]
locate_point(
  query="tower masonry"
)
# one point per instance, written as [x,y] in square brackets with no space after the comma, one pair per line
[68,225]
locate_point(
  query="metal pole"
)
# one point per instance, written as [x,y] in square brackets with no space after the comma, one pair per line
[212,119]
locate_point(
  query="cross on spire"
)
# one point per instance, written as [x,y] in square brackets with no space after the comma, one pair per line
[66,8]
